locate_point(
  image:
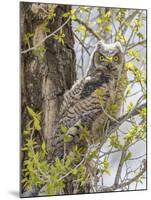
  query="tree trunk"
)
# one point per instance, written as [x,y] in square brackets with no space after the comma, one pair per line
[45,78]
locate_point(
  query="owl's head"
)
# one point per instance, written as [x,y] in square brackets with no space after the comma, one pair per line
[109,57]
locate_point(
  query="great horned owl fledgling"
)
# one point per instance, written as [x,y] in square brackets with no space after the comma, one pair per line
[82,104]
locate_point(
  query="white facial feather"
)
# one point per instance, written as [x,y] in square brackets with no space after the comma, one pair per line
[107,50]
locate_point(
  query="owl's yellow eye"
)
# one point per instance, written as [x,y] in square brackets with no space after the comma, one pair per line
[102,58]
[115,58]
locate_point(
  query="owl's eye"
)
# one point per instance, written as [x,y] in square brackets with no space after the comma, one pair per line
[116,58]
[102,58]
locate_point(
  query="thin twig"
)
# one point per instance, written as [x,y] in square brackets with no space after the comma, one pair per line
[115,187]
[88,28]
[123,118]
[120,165]
[67,174]
[45,38]
[136,44]
[82,44]
[136,158]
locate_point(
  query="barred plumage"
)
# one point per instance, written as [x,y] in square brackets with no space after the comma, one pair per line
[82,104]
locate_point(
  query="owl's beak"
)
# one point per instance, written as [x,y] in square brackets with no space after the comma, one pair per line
[109,59]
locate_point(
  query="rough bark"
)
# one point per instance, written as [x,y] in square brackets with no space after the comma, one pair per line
[45,79]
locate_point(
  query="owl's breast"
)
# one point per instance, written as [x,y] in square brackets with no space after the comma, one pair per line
[110,106]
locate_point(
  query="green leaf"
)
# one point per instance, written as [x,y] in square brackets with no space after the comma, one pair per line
[128,156]
[70,14]
[143,113]
[114,107]
[43,147]
[24,149]
[84,9]
[24,180]
[37,124]
[129,87]
[131,135]
[108,28]
[59,165]
[74,171]
[105,166]
[140,35]
[136,29]
[60,37]
[27,132]
[64,129]
[120,16]
[27,37]
[81,28]
[127,23]
[67,138]
[115,142]
[50,190]
[31,112]
[130,106]
[93,154]
[129,66]
[99,20]
[120,37]
[133,53]
[107,15]
[39,51]
[106,163]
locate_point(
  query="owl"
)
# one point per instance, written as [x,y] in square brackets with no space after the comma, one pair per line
[107,56]
[96,99]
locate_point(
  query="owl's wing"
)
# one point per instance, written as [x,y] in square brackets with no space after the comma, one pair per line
[81,105]
[81,102]
[72,96]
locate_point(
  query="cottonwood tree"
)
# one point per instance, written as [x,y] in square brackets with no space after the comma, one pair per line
[56,44]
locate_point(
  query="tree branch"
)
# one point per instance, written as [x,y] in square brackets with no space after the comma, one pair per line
[134,112]
[121,185]
[81,44]
[123,118]
[120,166]
[88,28]
[136,44]
[45,38]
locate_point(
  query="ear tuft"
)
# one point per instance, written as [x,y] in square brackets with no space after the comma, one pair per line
[119,46]
[100,44]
